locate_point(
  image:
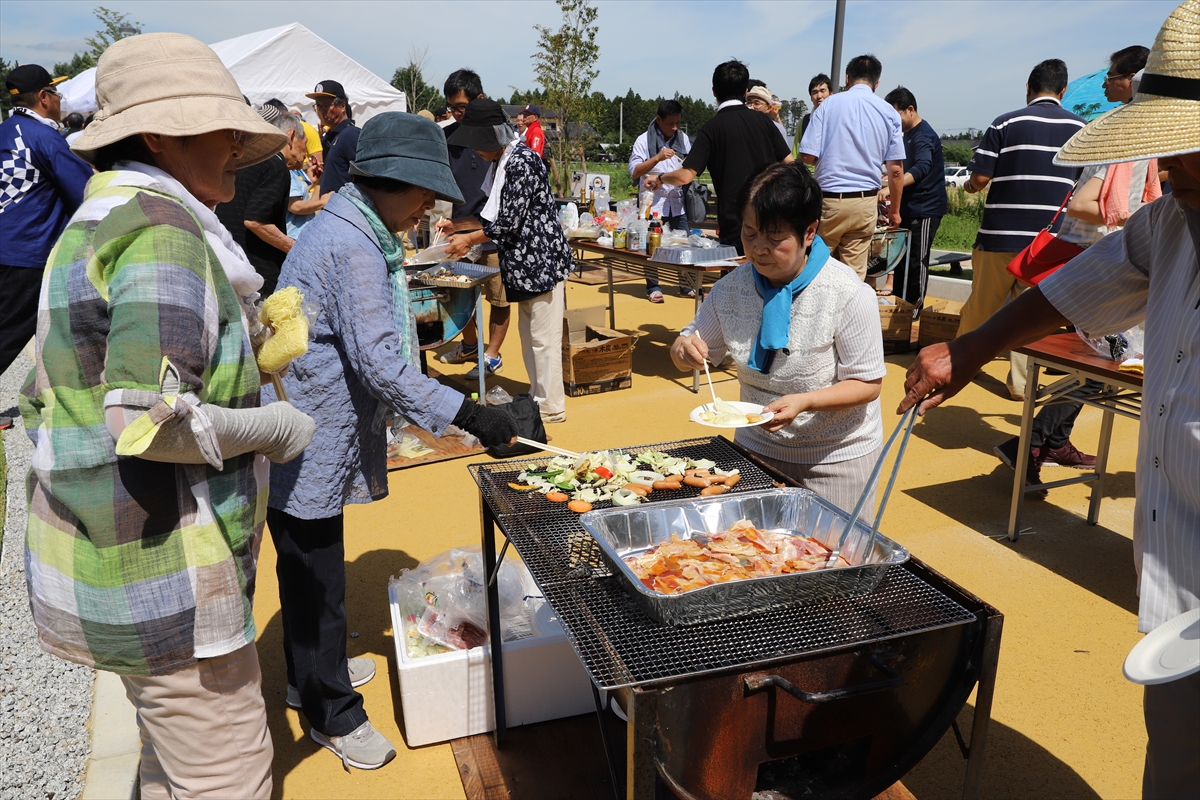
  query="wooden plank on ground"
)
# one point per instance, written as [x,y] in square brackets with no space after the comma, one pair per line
[563,758]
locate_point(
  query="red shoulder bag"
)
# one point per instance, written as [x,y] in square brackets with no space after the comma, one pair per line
[1045,254]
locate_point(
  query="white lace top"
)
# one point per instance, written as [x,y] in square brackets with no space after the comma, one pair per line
[834,336]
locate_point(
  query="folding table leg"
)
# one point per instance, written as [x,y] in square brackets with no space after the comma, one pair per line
[1106,424]
[1022,464]
[493,609]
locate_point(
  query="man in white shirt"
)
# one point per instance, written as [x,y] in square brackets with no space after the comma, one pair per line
[1144,273]
[659,150]
[849,137]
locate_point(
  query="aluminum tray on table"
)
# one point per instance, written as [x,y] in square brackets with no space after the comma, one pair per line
[682,254]
[453,273]
[621,532]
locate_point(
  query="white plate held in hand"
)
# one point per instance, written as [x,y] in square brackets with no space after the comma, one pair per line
[699,412]
[1169,652]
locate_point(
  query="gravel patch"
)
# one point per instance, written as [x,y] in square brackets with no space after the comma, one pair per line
[45,702]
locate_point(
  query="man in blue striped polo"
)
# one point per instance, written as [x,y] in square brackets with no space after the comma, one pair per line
[1016,159]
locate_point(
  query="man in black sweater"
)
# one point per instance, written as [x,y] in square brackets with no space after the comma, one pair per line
[923,203]
[733,145]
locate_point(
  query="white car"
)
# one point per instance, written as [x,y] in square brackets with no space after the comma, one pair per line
[957,176]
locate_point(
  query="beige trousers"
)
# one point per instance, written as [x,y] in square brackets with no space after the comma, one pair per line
[847,226]
[204,729]
[540,323]
[991,287]
[840,483]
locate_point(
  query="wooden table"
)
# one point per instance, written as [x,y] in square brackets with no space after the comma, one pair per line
[1120,393]
[638,263]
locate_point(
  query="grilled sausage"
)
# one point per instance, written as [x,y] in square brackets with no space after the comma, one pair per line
[715,489]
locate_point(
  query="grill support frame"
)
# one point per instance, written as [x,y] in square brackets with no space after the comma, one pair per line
[643,771]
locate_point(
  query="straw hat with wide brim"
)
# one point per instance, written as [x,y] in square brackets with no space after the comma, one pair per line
[1164,117]
[174,85]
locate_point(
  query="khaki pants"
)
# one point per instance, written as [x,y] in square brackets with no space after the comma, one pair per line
[847,226]
[540,322]
[204,729]
[991,287]
[841,483]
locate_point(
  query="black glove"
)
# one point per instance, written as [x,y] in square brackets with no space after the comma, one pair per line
[492,426]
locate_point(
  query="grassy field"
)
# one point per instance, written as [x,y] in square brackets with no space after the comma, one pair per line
[961,223]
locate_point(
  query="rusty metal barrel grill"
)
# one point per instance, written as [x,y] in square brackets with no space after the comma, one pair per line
[834,700]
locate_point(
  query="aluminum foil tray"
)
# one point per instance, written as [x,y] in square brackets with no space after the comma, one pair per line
[478,273]
[621,532]
[680,254]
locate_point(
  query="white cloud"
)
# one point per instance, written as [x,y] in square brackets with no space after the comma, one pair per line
[965,60]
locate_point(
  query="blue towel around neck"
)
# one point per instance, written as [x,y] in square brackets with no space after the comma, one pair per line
[777,308]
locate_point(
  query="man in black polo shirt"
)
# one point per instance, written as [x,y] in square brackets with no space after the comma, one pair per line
[256,217]
[732,146]
[340,139]
[923,203]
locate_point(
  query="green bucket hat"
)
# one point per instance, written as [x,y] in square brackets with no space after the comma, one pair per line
[406,148]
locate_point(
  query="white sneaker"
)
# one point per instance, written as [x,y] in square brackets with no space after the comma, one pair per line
[361,670]
[460,355]
[364,747]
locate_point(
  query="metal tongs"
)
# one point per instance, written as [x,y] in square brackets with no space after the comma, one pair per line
[907,420]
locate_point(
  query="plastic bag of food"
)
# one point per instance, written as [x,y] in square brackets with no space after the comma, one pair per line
[444,603]
[496,396]
[570,218]
[698,240]
[1117,346]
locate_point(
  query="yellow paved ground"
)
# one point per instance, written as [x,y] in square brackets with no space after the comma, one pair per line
[1065,722]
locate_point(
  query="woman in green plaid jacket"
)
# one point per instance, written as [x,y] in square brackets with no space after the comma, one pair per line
[149,483]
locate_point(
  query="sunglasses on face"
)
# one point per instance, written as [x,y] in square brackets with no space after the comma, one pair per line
[1112,77]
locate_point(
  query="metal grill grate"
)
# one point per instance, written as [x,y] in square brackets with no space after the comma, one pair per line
[620,646]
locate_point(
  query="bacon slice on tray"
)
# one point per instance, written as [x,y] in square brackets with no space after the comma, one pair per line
[743,551]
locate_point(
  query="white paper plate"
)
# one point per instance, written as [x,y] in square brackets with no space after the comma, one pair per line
[749,408]
[1169,652]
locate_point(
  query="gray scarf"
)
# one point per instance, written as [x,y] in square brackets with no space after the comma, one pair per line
[656,142]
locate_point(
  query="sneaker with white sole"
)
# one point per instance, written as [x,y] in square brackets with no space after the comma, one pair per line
[494,365]
[461,354]
[362,748]
[361,670]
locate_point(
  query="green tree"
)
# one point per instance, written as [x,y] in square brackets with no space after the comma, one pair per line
[564,65]
[111,23]
[5,104]
[957,153]
[410,80]
[791,112]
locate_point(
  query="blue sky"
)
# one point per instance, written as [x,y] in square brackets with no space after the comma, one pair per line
[965,60]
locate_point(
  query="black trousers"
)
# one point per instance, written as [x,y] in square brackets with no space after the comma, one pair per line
[312,596]
[910,282]
[1053,424]
[19,290]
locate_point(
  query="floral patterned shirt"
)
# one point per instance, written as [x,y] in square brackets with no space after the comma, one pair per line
[534,254]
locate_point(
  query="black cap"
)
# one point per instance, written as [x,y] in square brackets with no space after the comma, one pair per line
[328,89]
[533,111]
[478,128]
[29,78]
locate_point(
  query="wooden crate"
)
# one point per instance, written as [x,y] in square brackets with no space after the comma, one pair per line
[939,322]
[896,320]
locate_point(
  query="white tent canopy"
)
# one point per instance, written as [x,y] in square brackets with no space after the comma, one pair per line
[282,62]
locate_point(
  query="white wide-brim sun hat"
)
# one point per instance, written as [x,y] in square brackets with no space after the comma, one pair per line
[174,85]
[1164,117]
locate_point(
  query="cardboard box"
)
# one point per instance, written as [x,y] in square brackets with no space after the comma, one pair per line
[895,318]
[449,696]
[595,358]
[939,322]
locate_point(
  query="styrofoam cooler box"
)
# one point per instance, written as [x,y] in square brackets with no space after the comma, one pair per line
[448,696]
